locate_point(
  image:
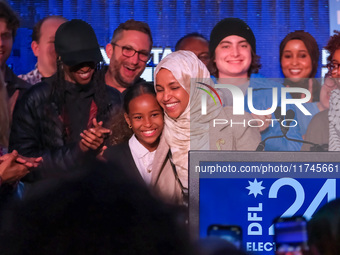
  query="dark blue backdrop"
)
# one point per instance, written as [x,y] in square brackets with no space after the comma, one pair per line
[169,20]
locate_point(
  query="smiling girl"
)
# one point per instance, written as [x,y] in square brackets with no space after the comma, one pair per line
[144,157]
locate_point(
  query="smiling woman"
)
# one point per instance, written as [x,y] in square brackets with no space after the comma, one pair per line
[185,127]
[299,56]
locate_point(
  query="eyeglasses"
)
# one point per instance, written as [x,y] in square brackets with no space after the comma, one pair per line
[333,67]
[130,52]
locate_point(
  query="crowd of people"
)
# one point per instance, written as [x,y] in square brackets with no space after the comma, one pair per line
[71,111]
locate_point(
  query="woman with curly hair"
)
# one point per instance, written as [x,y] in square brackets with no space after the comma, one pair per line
[324,127]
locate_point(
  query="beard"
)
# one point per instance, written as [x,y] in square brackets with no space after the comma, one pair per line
[115,71]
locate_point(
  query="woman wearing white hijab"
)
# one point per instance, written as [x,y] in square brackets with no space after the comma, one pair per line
[185,127]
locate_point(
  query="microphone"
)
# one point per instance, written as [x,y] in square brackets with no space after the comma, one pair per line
[262,144]
[279,118]
[289,117]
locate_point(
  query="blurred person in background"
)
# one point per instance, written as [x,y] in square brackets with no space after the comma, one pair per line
[9,23]
[97,210]
[195,43]
[43,48]
[324,127]
[324,230]
[13,167]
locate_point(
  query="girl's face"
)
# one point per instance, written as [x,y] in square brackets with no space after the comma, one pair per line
[296,62]
[170,94]
[146,118]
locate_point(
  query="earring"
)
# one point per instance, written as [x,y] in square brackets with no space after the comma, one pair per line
[130,126]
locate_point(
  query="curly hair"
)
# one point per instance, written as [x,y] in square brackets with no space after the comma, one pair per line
[333,45]
[120,130]
[11,18]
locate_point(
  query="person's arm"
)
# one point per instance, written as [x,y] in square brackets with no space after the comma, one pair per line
[247,138]
[94,138]
[262,100]
[25,130]
[35,133]
[13,167]
[282,144]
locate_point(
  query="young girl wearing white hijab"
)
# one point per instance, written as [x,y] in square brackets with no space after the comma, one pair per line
[185,127]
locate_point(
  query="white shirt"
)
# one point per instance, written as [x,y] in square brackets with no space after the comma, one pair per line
[143,158]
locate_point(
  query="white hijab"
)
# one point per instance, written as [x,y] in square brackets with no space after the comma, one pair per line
[188,70]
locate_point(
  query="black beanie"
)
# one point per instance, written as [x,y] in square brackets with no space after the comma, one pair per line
[231,26]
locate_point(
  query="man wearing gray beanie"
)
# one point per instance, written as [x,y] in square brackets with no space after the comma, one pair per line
[234,61]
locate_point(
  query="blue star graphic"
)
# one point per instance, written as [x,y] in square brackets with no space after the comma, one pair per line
[255,188]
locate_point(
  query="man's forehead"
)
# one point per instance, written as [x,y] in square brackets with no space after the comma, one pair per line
[134,36]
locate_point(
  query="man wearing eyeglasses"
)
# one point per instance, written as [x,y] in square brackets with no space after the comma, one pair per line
[324,127]
[129,51]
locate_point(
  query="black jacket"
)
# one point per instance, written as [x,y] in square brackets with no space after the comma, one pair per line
[120,155]
[38,130]
[14,83]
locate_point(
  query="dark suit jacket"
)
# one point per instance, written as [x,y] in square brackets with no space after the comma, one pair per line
[163,182]
[120,155]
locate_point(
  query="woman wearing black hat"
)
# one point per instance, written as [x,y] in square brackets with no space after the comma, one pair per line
[233,60]
[51,119]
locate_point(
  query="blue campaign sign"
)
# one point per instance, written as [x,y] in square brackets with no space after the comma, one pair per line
[246,191]
[254,203]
